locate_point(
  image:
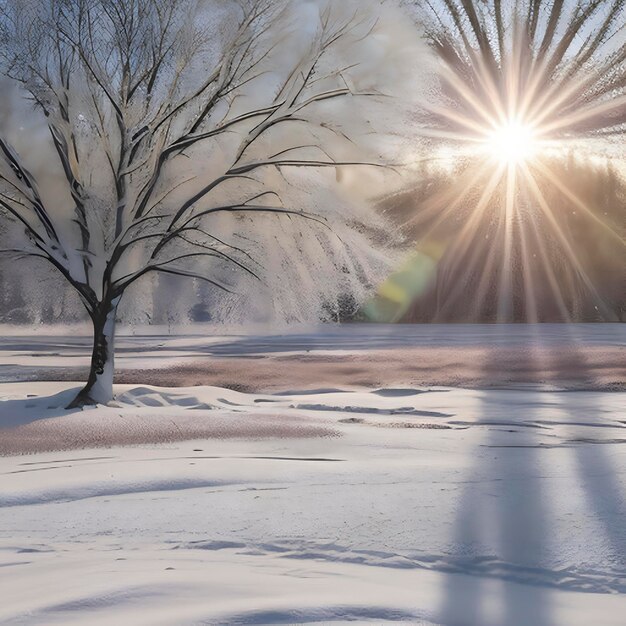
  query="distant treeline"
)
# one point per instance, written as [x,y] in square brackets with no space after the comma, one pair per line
[546,287]
[548,284]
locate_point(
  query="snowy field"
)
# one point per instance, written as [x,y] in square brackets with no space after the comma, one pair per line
[575,356]
[341,486]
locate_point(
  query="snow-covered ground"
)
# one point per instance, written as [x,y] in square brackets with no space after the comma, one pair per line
[575,356]
[424,504]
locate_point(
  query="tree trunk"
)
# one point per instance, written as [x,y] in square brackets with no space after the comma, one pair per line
[99,387]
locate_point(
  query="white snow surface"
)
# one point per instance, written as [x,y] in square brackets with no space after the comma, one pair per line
[435,505]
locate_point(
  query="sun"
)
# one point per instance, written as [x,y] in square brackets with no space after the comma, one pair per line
[512,143]
[524,91]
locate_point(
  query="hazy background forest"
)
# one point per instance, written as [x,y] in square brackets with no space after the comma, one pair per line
[448,295]
[412,210]
[396,253]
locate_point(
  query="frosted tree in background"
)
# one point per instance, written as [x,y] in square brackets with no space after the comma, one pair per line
[136,101]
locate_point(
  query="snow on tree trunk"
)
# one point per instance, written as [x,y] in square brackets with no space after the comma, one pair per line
[99,387]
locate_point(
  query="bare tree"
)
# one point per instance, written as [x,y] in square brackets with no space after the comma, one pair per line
[137,97]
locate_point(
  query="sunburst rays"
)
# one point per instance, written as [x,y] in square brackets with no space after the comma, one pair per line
[521,87]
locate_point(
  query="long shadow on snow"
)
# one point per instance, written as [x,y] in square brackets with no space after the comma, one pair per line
[503,499]
[26,410]
[517,511]
[598,475]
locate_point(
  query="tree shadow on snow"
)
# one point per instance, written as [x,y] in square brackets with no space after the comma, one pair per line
[499,512]
[22,411]
[594,451]
[506,498]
